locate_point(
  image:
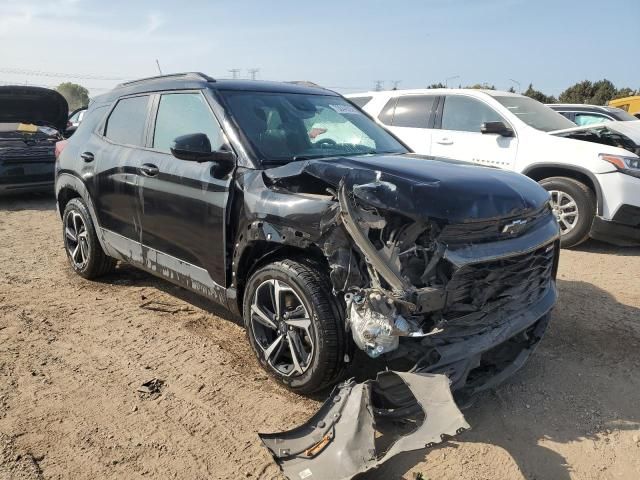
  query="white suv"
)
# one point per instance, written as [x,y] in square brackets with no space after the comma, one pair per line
[595,188]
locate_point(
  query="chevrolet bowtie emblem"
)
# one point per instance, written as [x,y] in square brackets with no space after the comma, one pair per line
[514,227]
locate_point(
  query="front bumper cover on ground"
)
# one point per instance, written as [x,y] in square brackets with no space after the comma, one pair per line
[361,426]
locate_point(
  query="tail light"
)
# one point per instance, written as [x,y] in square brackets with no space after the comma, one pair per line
[59,147]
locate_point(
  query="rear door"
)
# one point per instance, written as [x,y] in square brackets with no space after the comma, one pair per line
[458,134]
[115,156]
[184,202]
[411,118]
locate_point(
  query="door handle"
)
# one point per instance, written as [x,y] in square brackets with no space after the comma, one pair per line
[149,170]
[445,141]
[87,157]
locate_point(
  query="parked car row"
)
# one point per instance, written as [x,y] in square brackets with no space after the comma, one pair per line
[594,184]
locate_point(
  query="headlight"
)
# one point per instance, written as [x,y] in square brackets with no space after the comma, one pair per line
[620,162]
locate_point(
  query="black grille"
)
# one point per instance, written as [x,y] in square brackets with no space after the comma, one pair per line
[491,230]
[478,289]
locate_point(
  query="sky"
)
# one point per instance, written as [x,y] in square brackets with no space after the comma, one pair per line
[344,45]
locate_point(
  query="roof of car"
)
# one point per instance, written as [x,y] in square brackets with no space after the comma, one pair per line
[583,107]
[197,80]
[434,91]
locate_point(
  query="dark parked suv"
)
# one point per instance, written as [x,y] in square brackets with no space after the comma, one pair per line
[291,207]
[32,120]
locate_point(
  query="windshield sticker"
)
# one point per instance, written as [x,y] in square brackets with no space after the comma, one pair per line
[344,109]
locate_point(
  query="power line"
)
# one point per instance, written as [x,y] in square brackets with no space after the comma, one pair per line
[41,73]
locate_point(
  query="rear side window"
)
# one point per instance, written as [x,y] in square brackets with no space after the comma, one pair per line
[386,115]
[126,124]
[182,114]
[413,111]
[467,114]
[360,101]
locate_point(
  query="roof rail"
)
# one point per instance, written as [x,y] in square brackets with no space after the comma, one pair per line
[185,75]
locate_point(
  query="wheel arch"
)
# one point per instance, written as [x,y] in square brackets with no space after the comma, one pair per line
[540,171]
[258,253]
[69,186]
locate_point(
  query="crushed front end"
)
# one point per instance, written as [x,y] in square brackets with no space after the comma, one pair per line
[451,274]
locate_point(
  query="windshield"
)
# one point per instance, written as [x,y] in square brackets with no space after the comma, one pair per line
[622,115]
[284,127]
[534,113]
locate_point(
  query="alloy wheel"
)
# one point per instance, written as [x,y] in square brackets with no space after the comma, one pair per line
[76,239]
[565,209]
[281,326]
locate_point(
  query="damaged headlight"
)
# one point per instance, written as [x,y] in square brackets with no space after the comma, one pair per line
[375,324]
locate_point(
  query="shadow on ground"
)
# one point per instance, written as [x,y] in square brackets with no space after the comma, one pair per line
[28,201]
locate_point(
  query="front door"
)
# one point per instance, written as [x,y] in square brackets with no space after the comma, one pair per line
[458,134]
[184,202]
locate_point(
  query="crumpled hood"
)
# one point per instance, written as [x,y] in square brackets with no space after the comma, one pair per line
[425,187]
[40,106]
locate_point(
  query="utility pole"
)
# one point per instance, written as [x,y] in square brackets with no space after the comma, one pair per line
[395,84]
[446,80]
[234,73]
[253,72]
[158,65]
[379,85]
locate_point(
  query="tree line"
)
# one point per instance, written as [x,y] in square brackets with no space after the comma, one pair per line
[593,93]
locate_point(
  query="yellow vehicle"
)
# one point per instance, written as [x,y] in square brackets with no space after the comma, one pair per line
[630,104]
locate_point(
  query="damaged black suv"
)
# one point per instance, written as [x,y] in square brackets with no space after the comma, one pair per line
[295,210]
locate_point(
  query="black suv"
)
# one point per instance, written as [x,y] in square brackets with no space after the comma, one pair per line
[291,207]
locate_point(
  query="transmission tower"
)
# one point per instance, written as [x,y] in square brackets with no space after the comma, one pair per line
[379,85]
[253,72]
[234,73]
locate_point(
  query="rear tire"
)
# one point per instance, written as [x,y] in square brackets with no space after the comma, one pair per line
[319,345]
[83,249]
[574,205]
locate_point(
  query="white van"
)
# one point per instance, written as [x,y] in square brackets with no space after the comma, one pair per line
[595,188]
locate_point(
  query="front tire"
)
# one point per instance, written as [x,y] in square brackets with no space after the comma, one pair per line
[293,325]
[84,251]
[574,205]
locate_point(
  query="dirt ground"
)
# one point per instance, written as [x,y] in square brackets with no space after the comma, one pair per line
[74,352]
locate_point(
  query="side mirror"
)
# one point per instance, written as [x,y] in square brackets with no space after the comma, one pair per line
[496,128]
[196,147]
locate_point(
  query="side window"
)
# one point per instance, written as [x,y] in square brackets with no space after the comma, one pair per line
[127,121]
[413,111]
[182,114]
[590,119]
[386,115]
[360,101]
[466,114]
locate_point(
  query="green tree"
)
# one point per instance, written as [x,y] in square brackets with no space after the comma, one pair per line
[603,91]
[581,92]
[437,85]
[538,95]
[76,95]
[483,86]
[625,92]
